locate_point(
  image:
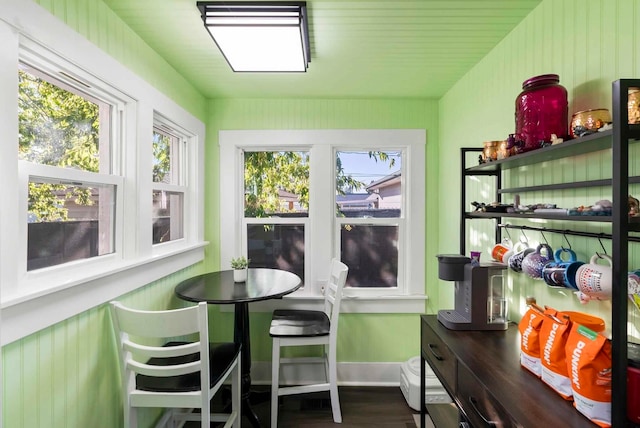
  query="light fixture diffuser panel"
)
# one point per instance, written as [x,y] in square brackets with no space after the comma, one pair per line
[259,36]
[269,48]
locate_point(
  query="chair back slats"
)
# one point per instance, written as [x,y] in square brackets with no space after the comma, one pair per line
[137,328]
[161,352]
[333,290]
[164,370]
[150,324]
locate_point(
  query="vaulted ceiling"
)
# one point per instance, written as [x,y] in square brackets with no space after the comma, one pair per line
[359,48]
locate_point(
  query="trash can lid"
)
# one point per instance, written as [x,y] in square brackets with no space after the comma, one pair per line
[414,367]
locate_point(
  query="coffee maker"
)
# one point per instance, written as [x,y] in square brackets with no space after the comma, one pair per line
[480,300]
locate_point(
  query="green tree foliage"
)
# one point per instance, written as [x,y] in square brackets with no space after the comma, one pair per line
[162,158]
[266,173]
[56,128]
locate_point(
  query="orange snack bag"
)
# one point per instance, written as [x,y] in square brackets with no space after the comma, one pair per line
[553,338]
[589,366]
[529,327]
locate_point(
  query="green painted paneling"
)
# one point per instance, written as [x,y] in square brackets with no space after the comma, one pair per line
[381,342]
[100,25]
[588,47]
[68,375]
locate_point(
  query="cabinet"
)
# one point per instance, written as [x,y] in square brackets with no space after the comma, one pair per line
[617,141]
[481,371]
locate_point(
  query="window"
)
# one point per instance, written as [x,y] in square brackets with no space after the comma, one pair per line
[369,215]
[169,181]
[65,148]
[304,197]
[276,209]
[76,222]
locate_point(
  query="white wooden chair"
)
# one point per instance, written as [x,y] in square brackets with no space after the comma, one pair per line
[170,374]
[303,328]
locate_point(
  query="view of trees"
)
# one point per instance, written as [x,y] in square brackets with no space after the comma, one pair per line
[266,173]
[61,128]
[161,158]
[57,128]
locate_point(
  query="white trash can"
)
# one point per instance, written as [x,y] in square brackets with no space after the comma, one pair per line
[410,385]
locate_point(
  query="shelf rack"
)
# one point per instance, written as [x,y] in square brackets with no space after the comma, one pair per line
[617,140]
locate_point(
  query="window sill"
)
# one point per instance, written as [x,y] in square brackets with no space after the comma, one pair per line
[350,304]
[31,311]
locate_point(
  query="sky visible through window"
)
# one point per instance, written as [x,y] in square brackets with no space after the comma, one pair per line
[365,169]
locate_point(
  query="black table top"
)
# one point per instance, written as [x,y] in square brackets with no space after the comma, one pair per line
[219,287]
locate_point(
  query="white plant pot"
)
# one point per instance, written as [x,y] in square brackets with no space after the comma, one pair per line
[240,275]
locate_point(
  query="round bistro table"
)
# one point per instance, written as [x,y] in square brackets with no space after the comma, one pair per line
[219,288]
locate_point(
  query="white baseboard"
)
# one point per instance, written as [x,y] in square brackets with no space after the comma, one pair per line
[349,374]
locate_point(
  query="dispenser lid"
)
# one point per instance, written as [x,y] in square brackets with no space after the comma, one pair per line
[453,258]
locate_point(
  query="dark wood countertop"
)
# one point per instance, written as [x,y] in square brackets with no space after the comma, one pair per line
[494,359]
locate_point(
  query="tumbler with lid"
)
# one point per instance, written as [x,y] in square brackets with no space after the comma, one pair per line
[541,110]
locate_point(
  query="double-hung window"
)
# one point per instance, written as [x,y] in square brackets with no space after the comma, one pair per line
[103,194]
[68,152]
[169,181]
[293,200]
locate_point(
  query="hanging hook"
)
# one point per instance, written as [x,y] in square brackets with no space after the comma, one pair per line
[526,240]
[604,250]
[564,235]
[544,237]
[506,229]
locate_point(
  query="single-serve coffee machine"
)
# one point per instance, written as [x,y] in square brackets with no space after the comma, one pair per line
[480,301]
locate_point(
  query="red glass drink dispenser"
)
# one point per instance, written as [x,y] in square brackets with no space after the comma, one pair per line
[541,110]
[633,383]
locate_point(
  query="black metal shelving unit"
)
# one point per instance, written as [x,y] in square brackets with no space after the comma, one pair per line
[617,140]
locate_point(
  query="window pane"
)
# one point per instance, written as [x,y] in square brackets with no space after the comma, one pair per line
[276,183]
[68,223]
[369,184]
[276,246]
[168,209]
[165,157]
[60,125]
[371,252]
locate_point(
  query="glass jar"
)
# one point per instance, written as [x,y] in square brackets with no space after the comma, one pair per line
[633,105]
[503,150]
[490,151]
[541,110]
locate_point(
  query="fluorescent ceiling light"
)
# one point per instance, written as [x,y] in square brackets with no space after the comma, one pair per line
[259,36]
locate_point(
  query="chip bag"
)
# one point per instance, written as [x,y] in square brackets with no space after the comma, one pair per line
[589,366]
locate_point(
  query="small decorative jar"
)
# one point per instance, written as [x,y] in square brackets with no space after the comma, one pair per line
[633,106]
[490,151]
[541,110]
[503,150]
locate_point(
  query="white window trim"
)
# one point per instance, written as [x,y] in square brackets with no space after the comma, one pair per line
[322,145]
[28,310]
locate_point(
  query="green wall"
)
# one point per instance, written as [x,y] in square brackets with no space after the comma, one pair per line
[588,47]
[377,335]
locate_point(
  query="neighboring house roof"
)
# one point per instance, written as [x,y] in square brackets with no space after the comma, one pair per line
[388,180]
[356,199]
[287,196]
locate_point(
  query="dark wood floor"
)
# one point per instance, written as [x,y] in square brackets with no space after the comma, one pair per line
[372,407]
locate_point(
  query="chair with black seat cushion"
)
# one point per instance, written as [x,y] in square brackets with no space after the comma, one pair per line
[161,371]
[303,328]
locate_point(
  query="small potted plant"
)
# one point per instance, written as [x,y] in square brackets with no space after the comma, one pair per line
[240,265]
